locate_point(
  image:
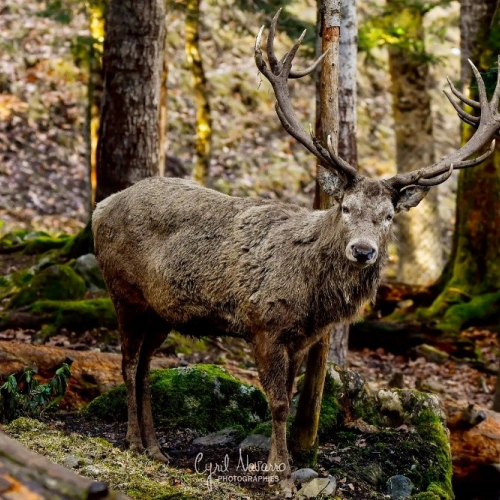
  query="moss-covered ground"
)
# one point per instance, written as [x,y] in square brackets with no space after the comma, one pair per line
[137,476]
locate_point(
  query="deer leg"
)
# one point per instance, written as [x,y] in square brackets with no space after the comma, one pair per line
[273,366]
[158,331]
[130,323]
[295,360]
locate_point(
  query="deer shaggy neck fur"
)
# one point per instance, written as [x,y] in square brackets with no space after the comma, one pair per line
[212,264]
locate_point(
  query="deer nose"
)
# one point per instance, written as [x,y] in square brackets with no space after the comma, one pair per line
[363,253]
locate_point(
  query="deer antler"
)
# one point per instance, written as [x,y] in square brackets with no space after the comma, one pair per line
[487,124]
[278,74]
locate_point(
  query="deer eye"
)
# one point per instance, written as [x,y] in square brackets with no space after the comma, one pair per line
[345,210]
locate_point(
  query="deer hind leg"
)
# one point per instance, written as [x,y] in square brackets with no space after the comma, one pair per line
[157,332]
[273,366]
[132,333]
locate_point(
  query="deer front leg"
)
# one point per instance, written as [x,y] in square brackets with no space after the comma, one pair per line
[273,366]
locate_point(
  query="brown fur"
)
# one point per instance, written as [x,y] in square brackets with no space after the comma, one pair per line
[176,255]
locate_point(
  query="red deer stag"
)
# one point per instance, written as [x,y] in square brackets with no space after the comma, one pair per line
[177,255]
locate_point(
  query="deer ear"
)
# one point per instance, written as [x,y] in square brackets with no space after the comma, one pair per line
[331,183]
[410,197]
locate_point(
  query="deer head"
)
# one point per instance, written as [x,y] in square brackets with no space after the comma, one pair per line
[366,207]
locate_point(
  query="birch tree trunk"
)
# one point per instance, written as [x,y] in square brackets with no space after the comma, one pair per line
[128,148]
[203,119]
[347,148]
[420,255]
[305,429]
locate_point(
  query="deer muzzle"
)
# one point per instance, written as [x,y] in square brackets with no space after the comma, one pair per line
[362,252]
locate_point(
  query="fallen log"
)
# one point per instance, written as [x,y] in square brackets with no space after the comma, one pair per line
[475,446]
[24,475]
[400,338]
[92,372]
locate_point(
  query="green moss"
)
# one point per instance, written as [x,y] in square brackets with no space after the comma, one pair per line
[44,243]
[80,244]
[178,343]
[480,309]
[77,315]
[202,397]
[57,282]
[438,474]
[33,242]
[11,284]
[331,410]
[263,429]
[13,239]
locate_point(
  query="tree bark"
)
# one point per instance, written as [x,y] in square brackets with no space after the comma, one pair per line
[27,475]
[347,148]
[304,443]
[163,111]
[97,15]
[420,255]
[474,266]
[128,148]
[203,119]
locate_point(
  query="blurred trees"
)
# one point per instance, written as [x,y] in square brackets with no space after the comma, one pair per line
[129,138]
[203,120]
[420,253]
[97,15]
[471,281]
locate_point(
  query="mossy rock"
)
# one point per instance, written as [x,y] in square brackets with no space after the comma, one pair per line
[422,453]
[205,398]
[56,282]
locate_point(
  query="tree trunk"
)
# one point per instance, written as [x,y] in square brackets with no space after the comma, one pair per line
[97,16]
[347,148]
[128,148]
[472,278]
[203,119]
[420,256]
[163,111]
[305,441]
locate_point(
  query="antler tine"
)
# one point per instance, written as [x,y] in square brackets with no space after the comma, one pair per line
[259,60]
[278,75]
[287,60]
[483,97]
[476,161]
[461,113]
[434,181]
[342,163]
[310,69]
[462,97]
[487,124]
[273,60]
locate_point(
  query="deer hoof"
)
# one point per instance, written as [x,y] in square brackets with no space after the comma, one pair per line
[156,454]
